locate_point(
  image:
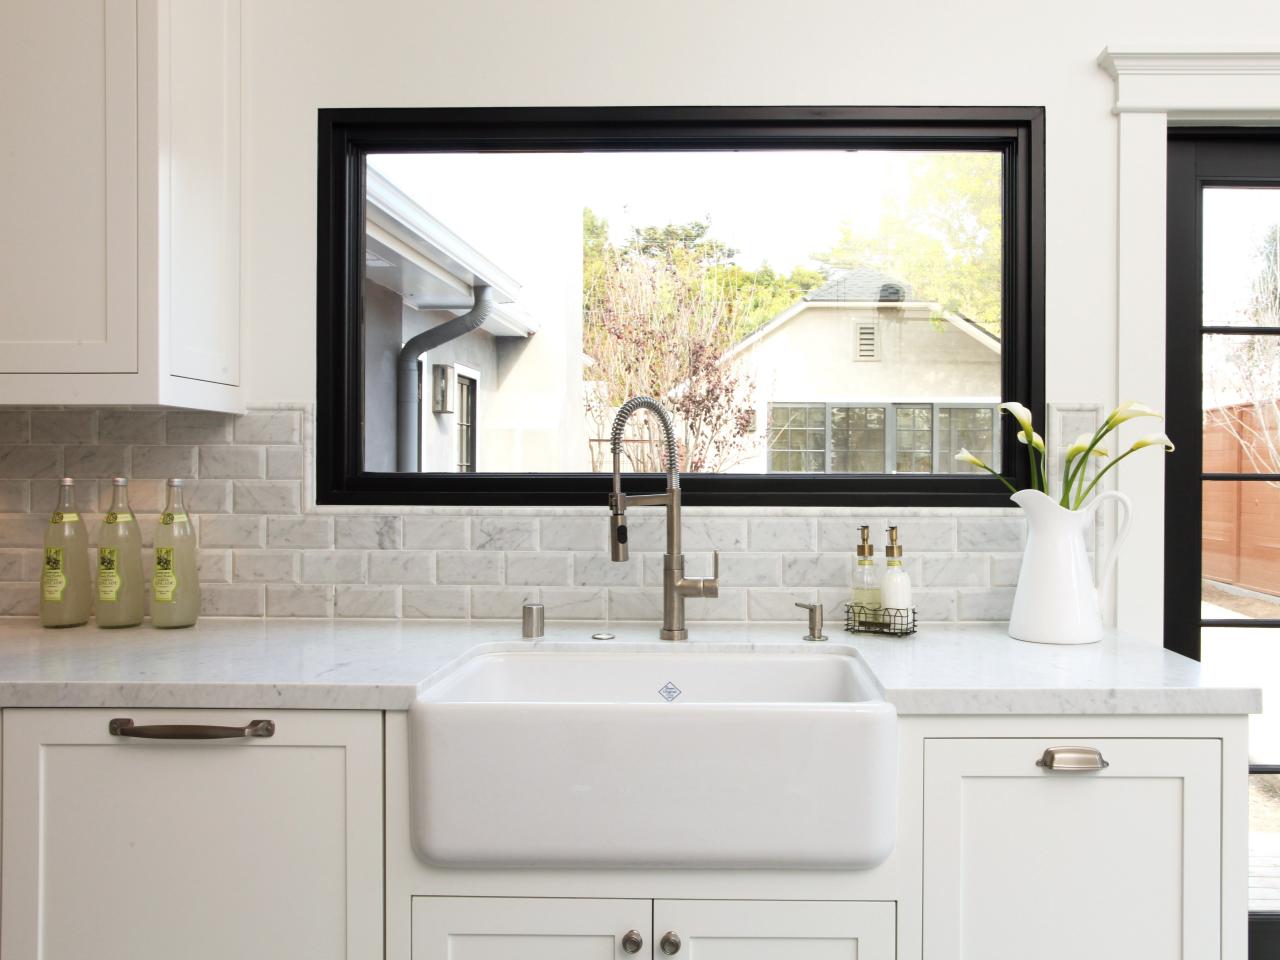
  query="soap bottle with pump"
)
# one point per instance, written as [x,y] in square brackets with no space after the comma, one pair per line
[866,582]
[895,588]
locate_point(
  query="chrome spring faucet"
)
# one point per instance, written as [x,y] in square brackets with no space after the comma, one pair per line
[675,585]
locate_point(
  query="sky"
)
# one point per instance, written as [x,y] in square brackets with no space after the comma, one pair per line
[775,207]
[1236,220]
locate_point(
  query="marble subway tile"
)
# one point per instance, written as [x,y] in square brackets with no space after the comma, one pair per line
[205,496]
[750,569]
[26,461]
[1005,570]
[46,491]
[305,532]
[790,534]
[338,566]
[276,426]
[233,600]
[369,533]
[19,600]
[413,566]
[13,564]
[573,603]
[646,531]
[704,533]
[730,605]
[103,461]
[265,566]
[817,570]
[266,496]
[163,462]
[436,533]
[500,603]
[993,534]
[468,567]
[573,533]
[145,496]
[435,603]
[131,426]
[955,570]
[15,496]
[230,531]
[15,426]
[193,426]
[232,462]
[596,569]
[993,603]
[634,603]
[934,605]
[22,531]
[64,426]
[504,533]
[285,463]
[367,602]
[299,600]
[780,605]
[538,568]
[213,566]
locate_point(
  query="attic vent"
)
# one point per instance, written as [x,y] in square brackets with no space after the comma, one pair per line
[892,293]
[867,340]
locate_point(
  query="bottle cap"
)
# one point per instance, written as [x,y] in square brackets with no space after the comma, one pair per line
[68,482]
[119,481]
[893,549]
[866,548]
[176,482]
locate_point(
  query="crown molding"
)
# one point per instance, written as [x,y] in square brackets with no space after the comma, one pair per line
[1195,83]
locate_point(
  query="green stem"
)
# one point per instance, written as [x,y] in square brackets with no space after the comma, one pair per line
[1000,477]
[1031,456]
[1101,473]
[1066,483]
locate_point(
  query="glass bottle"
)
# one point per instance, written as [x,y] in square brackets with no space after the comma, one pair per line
[64,580]
[866,581]
[119,562]
[175,588]
[895,589]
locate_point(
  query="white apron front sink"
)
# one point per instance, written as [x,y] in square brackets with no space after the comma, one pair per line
[576,756]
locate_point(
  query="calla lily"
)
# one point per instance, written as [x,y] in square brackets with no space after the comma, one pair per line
[1130,410]
[1153,440]
[1019,413]
[1080,445]
[1037,441]
[964,456]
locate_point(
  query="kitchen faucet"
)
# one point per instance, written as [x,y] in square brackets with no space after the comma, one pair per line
[675,585]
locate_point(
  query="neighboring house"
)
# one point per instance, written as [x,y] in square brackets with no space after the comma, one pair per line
[861,377]
[418,276]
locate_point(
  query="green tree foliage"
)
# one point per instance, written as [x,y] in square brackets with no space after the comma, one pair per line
[944,238]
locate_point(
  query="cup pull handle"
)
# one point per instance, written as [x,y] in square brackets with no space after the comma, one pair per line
[1073,759]
[125,727]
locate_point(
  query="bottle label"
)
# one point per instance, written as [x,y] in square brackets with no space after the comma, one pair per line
[60,517]
[164,582]
[108,574]
[114,517]
[167,519]
[53,581]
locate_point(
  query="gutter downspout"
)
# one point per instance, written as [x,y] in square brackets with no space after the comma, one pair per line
[408,402]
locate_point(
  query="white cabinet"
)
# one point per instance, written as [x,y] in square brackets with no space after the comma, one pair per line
[261,848]
[1021,861]
[120,258]
[511,928]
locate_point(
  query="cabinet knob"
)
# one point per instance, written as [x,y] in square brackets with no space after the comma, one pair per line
[1073,759]
[670,943]
[632,941]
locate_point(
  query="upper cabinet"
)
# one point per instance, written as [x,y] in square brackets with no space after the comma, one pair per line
[120,182]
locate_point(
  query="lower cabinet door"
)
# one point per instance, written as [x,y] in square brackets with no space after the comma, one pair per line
[513,928]
[773,930]
[1119,863]
[254,848]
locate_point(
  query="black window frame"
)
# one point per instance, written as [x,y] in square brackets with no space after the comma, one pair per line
[346,136]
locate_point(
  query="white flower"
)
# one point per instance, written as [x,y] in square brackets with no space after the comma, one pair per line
[1080,445]
[1153,440]
[964,456]
[1019,413]
[1130,410]
[1037,441]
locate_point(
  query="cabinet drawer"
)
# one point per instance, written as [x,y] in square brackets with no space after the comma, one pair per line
[1112,864]
[262,847]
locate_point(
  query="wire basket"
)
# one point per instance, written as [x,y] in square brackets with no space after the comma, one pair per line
[893,621]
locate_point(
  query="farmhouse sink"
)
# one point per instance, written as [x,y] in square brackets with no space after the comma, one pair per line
[681,757]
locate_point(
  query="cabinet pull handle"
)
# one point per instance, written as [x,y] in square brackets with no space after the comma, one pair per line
[632,941]
[670,943]
[1073,759]
[125,727]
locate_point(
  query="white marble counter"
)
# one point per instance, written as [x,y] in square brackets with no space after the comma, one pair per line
[380,665]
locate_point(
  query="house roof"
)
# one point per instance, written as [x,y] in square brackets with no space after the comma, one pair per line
[862,285]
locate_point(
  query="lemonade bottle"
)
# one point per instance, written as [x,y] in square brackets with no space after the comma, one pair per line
[64,580]
[175,588]
[119,562]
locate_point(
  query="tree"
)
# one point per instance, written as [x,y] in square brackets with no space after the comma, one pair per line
[1242,377]
[660,312]
[944,239]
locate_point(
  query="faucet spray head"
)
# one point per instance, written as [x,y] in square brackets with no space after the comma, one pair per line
[618,549]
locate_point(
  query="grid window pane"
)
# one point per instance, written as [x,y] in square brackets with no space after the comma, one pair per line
[914,438]
[966,428]
[797,438]
[857,439]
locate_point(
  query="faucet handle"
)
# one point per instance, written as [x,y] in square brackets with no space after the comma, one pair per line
[815,620]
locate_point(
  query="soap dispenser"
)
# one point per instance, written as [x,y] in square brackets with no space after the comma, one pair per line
[866,585]
[895,589]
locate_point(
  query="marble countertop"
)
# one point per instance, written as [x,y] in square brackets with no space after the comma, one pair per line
[381,665]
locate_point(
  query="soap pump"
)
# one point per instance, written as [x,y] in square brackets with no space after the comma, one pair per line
[895,589]
[866,586]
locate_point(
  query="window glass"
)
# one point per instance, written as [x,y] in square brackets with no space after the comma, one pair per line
[967,428]
[857,439]
[914,439]
[797,439]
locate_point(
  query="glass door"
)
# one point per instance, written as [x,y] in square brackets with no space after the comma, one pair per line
[1222,536]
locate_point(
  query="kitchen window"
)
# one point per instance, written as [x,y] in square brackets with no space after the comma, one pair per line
[780,279]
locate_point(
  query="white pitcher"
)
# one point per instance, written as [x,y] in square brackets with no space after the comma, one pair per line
[1057,599]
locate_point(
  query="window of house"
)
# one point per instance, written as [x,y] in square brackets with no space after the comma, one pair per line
[784,281]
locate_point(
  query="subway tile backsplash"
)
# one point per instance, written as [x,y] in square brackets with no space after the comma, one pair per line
[266,550]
